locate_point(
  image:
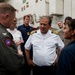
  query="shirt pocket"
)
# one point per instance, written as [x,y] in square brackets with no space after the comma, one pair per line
[50,44]
[36,44]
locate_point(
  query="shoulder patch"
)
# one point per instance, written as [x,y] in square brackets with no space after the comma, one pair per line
[32,32]
[7,41]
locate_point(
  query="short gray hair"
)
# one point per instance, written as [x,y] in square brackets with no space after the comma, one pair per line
[5,7]
[48,17]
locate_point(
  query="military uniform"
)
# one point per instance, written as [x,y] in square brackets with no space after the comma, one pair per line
[10,60]
[44,51]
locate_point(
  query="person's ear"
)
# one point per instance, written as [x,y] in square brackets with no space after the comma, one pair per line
[73,32]
[6,16]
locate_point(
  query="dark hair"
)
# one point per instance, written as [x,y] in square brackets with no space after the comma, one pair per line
[26,16]
[72,24]
[50,20]
[68,18]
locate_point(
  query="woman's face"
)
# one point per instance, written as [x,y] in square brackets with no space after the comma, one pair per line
[68,32]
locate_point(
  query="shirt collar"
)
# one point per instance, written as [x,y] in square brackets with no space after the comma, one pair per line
[39,32]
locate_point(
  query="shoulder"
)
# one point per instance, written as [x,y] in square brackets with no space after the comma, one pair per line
[55,35]
[31,28]
[20,26]
[3,32]
[4,35]
[32,32]
[55,31]
[67,50]
[18,31]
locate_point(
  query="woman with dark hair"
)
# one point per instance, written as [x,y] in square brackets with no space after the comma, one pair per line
[66,62]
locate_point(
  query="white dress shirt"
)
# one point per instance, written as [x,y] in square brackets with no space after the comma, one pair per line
[17,36]
[44,47]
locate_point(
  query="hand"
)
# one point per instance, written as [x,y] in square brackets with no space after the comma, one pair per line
[56,61]
[18,43]
[30,63]
[20,52]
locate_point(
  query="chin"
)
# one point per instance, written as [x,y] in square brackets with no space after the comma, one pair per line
[65,37]
[43,32]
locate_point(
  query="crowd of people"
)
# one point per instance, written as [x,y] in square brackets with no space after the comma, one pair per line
[26,51]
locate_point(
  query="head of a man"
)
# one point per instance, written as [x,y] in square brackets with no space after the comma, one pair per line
[67,20]
[60,24]
[26,20]
[45,24]
[7,14]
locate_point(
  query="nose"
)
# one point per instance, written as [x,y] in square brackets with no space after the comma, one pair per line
[42,25]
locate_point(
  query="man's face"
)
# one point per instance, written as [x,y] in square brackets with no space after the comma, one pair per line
[13,25]
[60,25]
[44,25]
[26,21]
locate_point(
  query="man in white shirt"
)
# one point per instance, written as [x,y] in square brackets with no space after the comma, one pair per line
[44,44]
[17,36]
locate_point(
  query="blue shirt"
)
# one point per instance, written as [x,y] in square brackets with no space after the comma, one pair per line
[25,30]
[66,63]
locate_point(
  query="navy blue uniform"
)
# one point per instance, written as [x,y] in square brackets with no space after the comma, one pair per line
[66,63]
[25,30]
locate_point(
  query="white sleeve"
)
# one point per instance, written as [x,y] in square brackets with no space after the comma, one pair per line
[60,43]
[28,43]
[21,37]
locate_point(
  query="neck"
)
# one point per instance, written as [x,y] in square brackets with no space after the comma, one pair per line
[11,28]
[26,24]
[72,39]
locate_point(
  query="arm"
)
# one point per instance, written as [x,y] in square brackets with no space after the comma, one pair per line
[59,47]
[9,56]
[28,46]
[30,62]
[58,51]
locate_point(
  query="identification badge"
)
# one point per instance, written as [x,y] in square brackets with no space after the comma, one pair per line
[28,33]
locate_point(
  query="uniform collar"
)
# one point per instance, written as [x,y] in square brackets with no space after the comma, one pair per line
[1,26]
[48,34]
[39,32]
